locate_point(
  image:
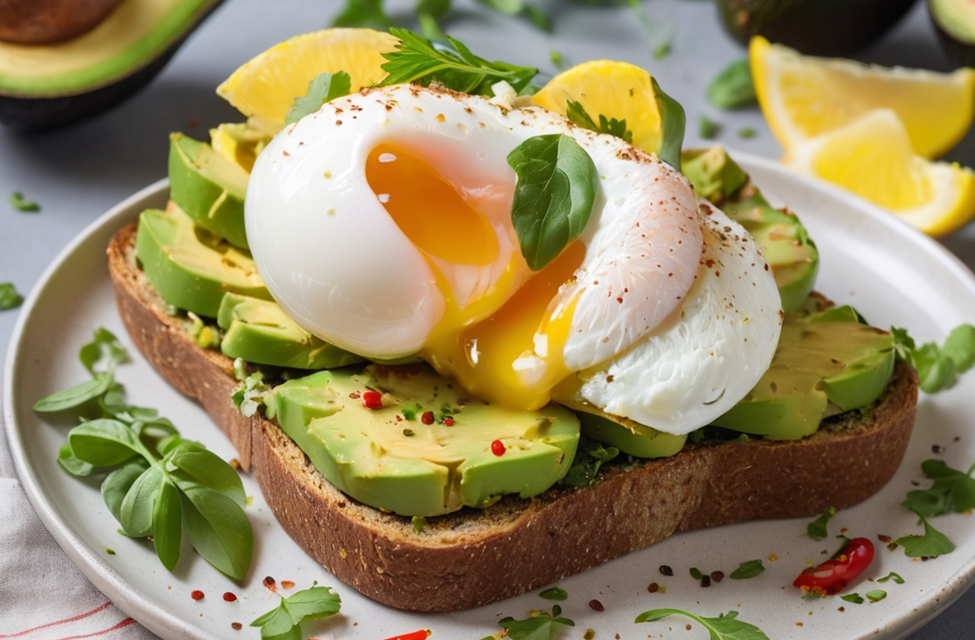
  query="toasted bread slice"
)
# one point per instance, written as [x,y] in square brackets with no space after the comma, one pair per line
[474,557]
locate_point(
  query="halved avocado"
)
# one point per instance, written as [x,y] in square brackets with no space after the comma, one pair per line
[954,21]
[814,27]
[48,86]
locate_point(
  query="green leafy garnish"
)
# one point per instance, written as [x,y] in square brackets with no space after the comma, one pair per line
[554,195]
[416,60]
[249,396]
[747,132]
[876,595]
[584,469]
[952,490]
[931,544]
[852,597]
[554,594]
[891,576]
[696,573]
[557,59]
[156,484]
[733,88]
[709,129]
[938,368]
[672,124]
[9,298]
[662,48]
[17,201]
[363,13]
[577,114]
[284,622]
[817,528]
[748,569]
[324,88]
[724,627]
[537,627]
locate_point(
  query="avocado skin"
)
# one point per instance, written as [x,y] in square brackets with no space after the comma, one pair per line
[814,27]
[959,48]
[30,113]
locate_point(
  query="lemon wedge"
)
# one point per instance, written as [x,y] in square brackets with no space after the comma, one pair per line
[264,87]
[872,157]
[612,89]
[803,96]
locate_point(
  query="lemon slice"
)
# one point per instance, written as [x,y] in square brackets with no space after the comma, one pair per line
[803,96]
[265,87]
[612,89]
[872,157]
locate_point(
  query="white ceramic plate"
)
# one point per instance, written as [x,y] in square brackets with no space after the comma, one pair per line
[892,274]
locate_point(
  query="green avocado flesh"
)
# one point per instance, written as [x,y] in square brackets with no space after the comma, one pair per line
[790,253]
[954,21]
[628,436]
[259,331]
[389,459]
[825,363]
[190,267]
[209,188]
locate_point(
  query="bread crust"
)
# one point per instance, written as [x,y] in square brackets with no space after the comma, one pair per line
[474,557]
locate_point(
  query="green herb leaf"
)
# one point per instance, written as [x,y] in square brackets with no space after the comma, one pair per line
[207,469]
[747,132]
[429,27]
[817,528]
[709,129]
[930,545]
[662,48]
[733,88]
[416,60]
[590,457]
[577,113]
[167,525]
[75,396]
[852,597]
[218,529]
[748,569]
[363,13]
[724,627]
[538,627]
[105,347]
[538,17]
[952,490]
[249,396]
[324,88]
[938,368]
[554,593]
[696,573]
[17,201]
[118,483]
[285,620]
[557,59]
[507,7]
[71,464]
[891,576]
[9,298]
[554,195]
[672,124]
[433,8]
[104,442]
[136,509]
[876,595]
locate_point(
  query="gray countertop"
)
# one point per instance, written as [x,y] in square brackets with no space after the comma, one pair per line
[78,173]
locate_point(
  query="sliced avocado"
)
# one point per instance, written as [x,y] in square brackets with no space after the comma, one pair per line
[954,21]
[189,266]
[208,188]
[790,252]
[814,27]
[49,21]
[47,86]
[259,331]
[389,458]
[628,436]
[239,142]
[825,363]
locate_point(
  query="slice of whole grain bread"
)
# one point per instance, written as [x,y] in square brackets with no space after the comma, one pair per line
[474,557]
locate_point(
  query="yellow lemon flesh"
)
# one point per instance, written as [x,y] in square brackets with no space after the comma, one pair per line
[872,157]
[612,89]
[803,97]
[264,88]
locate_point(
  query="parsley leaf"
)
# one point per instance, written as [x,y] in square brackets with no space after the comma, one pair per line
[16,200]
[539,626]
[575,112]
[952,490]
[416,60]
[584,469]
[311,604]
[9,298]
[817,528]
[724,627]
[938,368]
[930,545]
[733,88]
[324,88]
[554,195]
[748,569]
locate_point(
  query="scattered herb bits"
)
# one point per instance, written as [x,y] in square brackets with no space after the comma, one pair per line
[747,569]
[554,593]
[310,604]
[9,298]
[817,528]
[19,203]
[724,626]
[733,88]
[539,626]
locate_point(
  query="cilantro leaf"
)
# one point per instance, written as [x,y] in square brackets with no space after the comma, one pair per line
[539,626]
[748,569]
[725,627]
[9,298]
[938,368]
[554,195]
[311,604]
[733,87]
[584,469]
[324,88]
[817,528]
[17,201]
[930,545]
[577,114]
[952,490]
[416,60]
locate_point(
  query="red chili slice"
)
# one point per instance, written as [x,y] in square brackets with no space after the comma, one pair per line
[832,576]
[422,634]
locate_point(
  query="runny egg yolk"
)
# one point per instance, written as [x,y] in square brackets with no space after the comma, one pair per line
[505,346]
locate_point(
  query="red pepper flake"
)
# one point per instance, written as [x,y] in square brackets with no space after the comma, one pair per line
[270,584]
[197,595]
[194,122]
[883,538]
[287,584]
[717,576]
[596,605]
[372,399]
[355,395]
[422,634]
[448,421]
[653,587]
[497,448]
[426,417]
[229,597]
[236,626]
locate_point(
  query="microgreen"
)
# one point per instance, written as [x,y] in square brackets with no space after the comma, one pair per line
[696,573]
[554,195]
[891,576]
[938,368]
[416,60]
[17,201]
[733,88]
[156,483]
[817,528]
[325,87]
[577,114]
[876,595]
[557,59]
[539,626]
[284,622]
[584,469]
[747,132]
[855,598]
[952,490]
[672,124]
[747,569]
[708,129]
[554,593]
[9,298]
[725,627]
[249,396]
[931,544]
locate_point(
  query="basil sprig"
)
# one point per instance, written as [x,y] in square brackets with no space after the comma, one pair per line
[156,483]
[554,195]
[284,622]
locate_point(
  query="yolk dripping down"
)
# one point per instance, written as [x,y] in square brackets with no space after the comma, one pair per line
[505,347]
